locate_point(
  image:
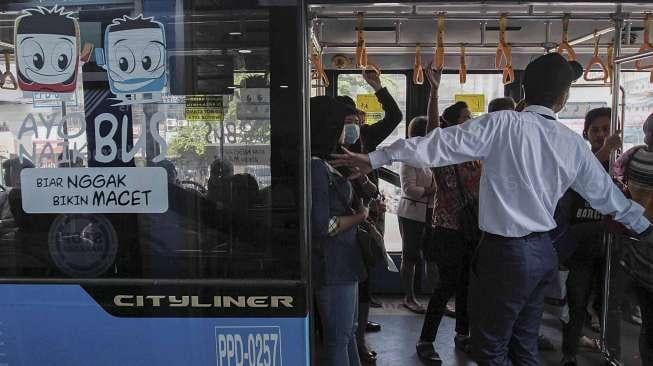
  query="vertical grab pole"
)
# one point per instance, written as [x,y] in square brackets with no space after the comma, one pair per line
[608,239]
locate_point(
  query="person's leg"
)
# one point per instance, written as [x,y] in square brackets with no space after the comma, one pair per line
[579,285]
[411,235]
[543,266]
[449,260]
[508,276]
[462,291]
[645,300]
[619,282]
[337,307]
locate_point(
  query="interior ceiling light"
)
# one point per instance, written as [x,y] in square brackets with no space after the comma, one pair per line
[245,52]
[235,33]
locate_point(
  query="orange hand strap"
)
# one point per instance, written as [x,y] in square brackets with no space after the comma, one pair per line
[7,76]
[610,60]
[361,52]
[503,56]
[318,74]
[564,44]
[418,71]
[463,65]
[596,60]
[439,49]
[646,44]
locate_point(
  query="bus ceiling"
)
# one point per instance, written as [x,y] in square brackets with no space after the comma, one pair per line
[392,31]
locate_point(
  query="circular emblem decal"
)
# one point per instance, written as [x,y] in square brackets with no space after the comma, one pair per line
[83,245]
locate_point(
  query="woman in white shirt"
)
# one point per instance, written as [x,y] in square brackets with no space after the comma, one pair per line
[417,192]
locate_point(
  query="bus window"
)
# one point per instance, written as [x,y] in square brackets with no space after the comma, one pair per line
[155,156]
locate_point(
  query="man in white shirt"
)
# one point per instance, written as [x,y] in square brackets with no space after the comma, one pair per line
[529,161]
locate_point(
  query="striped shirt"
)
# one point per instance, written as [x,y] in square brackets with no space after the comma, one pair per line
[640,179]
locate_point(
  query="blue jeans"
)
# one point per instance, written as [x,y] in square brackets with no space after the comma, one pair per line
[337,305]
[507,286]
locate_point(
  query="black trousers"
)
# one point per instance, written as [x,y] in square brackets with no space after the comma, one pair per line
[452,255]
[585,268]
[620,285]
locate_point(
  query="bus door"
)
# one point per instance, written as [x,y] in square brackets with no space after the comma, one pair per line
[153,206]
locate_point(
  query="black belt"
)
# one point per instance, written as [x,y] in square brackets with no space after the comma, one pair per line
[490,236]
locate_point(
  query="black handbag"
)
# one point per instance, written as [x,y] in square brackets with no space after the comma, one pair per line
[468,216]
[637,261]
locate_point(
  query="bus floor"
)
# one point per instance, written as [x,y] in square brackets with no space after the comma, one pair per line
[395,344]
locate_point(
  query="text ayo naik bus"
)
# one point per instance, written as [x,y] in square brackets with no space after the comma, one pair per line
[154,192]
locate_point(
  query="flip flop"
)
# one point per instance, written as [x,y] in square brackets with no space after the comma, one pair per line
[415,308]
[590,344]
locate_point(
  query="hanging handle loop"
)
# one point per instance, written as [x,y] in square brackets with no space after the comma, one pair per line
[596,60]
[463,65]
[564,45]
[610,61]
[361,51]
[646,45]
[503,56]
[439,48]
[318,74]
[8,79]
[418,71]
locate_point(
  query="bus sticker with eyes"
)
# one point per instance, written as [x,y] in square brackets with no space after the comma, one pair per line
[47,50]
[134,56]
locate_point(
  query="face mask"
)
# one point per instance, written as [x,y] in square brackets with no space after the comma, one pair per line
[352,133]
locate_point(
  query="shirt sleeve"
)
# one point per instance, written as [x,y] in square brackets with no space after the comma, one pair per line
[409,185]
[320,209]
[374,134]
[596,186]
[471,140]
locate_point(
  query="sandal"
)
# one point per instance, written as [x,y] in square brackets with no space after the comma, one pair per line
[414,307]
[590,344]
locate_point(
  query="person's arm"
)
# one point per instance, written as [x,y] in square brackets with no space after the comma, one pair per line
[433,76]
[322,223]
[409,186]
[597,188]
[471,140]
[612,143]
[373,135]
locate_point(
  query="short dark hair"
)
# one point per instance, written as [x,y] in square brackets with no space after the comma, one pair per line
[592,115]
[417,126]
[127,23]
[501,104]
[41,20]
[548,78]
[345,99]
[452,113]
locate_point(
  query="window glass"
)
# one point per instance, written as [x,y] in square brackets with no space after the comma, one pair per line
[488,85]
[154,151]
[639,106]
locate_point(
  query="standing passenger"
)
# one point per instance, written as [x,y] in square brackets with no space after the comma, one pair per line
[501,104]
[371,135]
[336,258]
[418,188]
[586,234]
[530,160]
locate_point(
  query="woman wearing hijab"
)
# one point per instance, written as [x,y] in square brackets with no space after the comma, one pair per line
[337,262]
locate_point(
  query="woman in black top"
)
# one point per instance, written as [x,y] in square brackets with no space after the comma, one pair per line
[337,264]
[371,136]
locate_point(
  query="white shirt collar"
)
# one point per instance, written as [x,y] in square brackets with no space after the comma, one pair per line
[540,110]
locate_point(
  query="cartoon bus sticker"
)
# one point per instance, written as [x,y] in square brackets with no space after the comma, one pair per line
[47,50]
[134,56]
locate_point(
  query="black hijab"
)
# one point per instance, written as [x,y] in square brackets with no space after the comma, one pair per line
[327,122]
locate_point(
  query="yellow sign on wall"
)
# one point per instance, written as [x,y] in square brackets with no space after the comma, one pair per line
[204,108]
[369,104]
[475,102]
